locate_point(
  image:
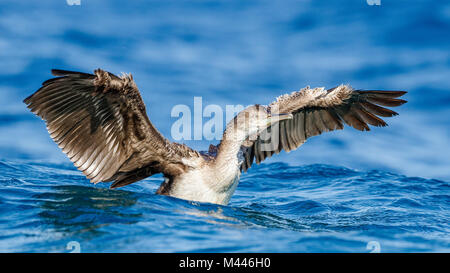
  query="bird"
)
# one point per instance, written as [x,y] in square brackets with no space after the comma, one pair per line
[100,122]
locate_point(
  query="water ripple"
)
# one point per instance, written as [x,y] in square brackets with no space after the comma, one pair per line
[323,205]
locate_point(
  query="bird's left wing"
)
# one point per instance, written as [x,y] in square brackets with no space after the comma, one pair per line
[316,111]
[99,121]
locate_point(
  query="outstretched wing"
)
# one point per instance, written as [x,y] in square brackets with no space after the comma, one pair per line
[316,111]
[99,122]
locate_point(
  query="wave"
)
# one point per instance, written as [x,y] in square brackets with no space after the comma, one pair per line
[304,208]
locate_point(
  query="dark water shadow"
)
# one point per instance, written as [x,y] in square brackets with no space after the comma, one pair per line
[86,210]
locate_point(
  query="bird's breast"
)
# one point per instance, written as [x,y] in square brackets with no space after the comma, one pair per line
[204,185]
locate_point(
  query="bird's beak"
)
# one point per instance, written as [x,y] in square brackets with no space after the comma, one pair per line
[279,117]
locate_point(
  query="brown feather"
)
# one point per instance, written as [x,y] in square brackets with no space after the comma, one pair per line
[88,117]
[317,111]
[369,117]
[382,94]
[378,110]
[386,101]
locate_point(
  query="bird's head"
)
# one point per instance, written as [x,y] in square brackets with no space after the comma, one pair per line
[256,118]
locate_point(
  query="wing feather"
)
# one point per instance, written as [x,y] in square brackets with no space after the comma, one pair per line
[99,122]
[317,110]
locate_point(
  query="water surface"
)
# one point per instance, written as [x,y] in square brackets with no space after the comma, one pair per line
[337,193]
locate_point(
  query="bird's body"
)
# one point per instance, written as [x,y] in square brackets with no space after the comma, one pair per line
[99,121]
[205,185]
[212,177]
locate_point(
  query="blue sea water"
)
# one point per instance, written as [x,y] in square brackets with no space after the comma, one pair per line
[340,192]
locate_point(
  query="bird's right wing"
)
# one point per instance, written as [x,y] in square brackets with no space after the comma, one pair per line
[99,121]
[316,111]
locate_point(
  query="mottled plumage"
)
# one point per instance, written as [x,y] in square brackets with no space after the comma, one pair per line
[99,121]
[318,110]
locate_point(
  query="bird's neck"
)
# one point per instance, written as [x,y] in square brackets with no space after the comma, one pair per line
[227,155]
